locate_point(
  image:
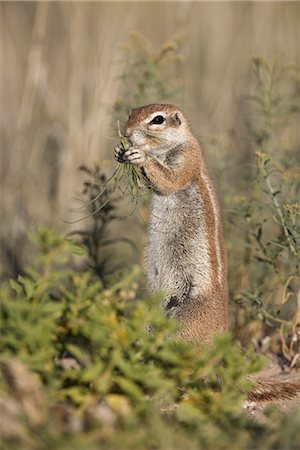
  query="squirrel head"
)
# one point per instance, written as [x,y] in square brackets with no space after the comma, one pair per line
[157,126]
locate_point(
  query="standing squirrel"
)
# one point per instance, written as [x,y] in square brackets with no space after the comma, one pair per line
[185,255]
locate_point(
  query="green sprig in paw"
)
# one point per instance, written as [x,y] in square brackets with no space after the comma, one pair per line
[136,180]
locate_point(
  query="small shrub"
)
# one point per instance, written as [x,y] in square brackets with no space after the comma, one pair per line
[97,365]
[268,214]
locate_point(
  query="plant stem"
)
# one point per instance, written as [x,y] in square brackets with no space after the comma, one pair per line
[278,210]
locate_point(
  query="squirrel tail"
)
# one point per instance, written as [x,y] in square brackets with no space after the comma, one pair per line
[267,389]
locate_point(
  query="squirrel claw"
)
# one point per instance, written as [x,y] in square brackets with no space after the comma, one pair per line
[119,154]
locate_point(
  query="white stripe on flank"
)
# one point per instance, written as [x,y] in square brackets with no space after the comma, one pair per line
[216,230]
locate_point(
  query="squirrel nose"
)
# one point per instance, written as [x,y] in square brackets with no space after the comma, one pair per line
[127,133]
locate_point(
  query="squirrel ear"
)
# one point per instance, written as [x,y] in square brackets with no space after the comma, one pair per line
[176,119]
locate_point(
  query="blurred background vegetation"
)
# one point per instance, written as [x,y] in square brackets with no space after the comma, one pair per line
[69,72]
[69,68]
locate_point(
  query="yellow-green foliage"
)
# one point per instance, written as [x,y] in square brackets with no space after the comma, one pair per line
[123,386]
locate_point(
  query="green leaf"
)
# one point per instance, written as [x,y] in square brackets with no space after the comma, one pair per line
[131,389]
[16,287]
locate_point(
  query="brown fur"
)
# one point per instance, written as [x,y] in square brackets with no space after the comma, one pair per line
[138,114]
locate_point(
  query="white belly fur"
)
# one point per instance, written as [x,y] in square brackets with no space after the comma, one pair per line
[177,256]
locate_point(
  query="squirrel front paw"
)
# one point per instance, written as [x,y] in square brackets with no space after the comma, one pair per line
[119,153]
[133,155]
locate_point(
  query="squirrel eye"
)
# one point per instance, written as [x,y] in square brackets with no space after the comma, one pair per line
[157,120]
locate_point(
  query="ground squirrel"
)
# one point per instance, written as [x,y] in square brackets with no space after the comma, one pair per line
[185,255]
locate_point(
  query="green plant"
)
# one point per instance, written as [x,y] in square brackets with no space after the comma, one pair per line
[96,363]
[100,198]
[268,215]
[99,201]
